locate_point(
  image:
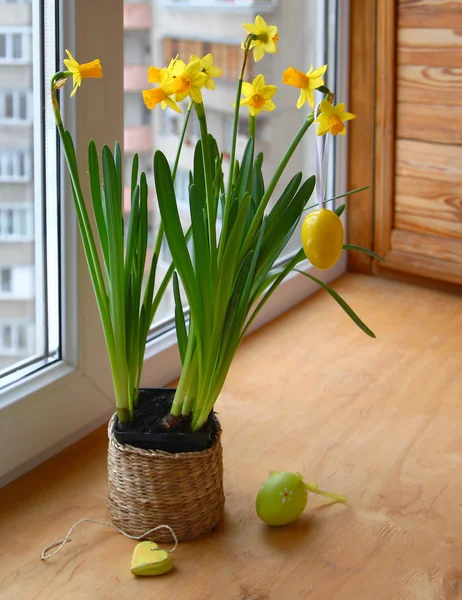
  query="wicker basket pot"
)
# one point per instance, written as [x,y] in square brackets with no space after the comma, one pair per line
[147,488]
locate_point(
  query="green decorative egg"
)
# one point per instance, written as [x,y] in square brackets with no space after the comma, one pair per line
[281,499]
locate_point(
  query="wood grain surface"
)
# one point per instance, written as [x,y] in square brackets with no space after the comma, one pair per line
[437,162]
[429,85]
[430,13]
[431,47]
[430,123]
[435,246]
[385,131]
[378,420]
[427,207]
[361,132]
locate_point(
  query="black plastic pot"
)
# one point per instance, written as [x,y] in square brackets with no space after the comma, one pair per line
[147,433]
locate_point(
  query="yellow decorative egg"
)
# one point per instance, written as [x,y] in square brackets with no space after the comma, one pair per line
[322,238]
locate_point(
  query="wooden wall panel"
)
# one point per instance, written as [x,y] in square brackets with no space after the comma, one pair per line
[431,225]
[430,47]
[435,246]
[385,124]
[437,162]
[430,13]
[426,206]
[418,158]
[361,131]
[431,123]
[429,85]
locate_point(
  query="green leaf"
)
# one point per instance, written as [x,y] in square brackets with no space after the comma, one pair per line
[356,191]
[258,184]
[180,323]
[119,175]
[281,205]
[174,233]
[95,187]
[134,180]
[244,179]
[349,311]
[203,262]
[199,175]
[279,279]
[339,210]
[132,235]
[361,249]
[283,228]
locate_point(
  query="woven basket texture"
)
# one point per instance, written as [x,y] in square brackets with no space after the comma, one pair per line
[149,488]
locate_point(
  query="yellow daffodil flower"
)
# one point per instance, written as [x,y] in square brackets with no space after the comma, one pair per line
[266,37]
[188,80]
[85,70]
[258,95]
[307,83]
[162,93]
[208,68]
[332,119]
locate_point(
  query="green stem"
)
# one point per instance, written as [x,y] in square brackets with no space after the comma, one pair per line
[252,126]
[232,159]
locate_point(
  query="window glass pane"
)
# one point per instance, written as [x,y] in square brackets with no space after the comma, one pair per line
[28,233]
[17,45]
[158,30]
[9,105]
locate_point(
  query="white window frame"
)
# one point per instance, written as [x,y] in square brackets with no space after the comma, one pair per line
[53,407]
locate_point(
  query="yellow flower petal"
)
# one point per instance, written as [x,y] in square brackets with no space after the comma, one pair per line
[326,108]
[258,82]
[195,94]
[260,23]
[323,128]
[268,91]
[247,88]
[250,28]
[318,72]
[171,104]
[153,74]
[258,53]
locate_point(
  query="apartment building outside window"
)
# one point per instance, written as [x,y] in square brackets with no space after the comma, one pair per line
[15,223]
[14,106]
[15,46]
[15,165]
[6,280]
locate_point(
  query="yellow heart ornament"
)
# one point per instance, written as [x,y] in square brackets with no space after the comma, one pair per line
[148,559]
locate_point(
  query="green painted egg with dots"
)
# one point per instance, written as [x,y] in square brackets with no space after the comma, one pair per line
[283,498]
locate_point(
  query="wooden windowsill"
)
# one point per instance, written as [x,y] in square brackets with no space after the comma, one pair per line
[378,420]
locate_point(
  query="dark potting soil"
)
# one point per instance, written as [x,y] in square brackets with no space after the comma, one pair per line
[148,430]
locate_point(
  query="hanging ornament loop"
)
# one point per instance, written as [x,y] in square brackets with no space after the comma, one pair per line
[60,543]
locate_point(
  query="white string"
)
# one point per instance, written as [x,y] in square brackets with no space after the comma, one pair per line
[317,150]
[321,148]
[60,543]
